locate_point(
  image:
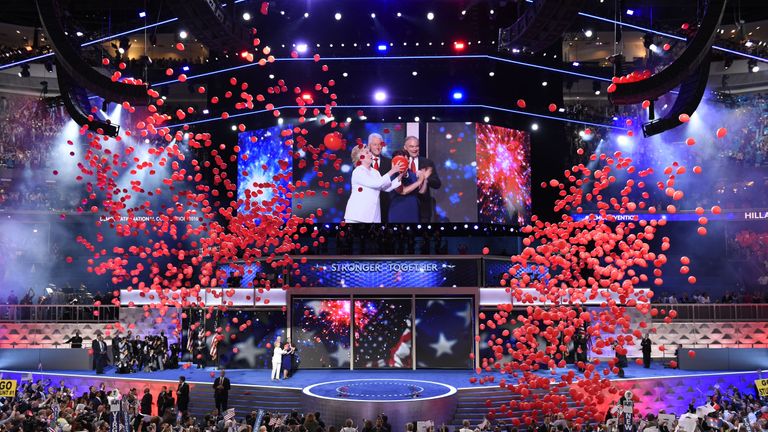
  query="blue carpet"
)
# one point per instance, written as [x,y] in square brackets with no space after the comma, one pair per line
[305,378]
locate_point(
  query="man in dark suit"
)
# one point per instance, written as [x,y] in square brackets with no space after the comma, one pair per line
[146,402]
[182,396]
[99,348]
[382,164]
[76,340]
[164,401]
[416,163]
[646,346]
[221,391]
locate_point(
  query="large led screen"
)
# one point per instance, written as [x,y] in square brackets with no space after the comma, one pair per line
[444,332]
[383,333]
[458,173]
[320,330]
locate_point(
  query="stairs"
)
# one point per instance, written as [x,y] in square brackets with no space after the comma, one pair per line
[471,405]
[246,399]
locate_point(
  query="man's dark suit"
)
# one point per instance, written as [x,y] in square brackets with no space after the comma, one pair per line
[146,404]
[425,200]
[99,355]
[385,164]
[182,397]
[221,395]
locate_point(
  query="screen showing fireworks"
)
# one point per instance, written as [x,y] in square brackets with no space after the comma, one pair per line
[383,333]
[479,172]
[320,330]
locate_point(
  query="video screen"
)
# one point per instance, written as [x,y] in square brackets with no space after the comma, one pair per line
[444,331]
[454,173]
[248,349]
[383,333]
[320,331]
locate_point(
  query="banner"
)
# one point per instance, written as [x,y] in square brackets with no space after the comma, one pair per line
[762,387]
[7,388]
[259,418]
[389,273]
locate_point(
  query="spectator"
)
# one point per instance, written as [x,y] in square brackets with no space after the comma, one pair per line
[182,396]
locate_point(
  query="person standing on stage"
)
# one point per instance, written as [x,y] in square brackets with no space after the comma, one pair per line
[364,205]
[382,164]
[146,402]
[164,401]
[76,340]
[182,396]
[277,359]
[99,348]
[415,164]
[221,388]
[645,345]
[287,362]
[200,351]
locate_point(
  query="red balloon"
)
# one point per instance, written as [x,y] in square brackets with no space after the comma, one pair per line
[333,141]
[691,353]
[721,132]
[552,107]
[683,118]
[486,251]
[401,160]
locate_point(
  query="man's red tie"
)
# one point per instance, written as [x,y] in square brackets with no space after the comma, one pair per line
[413,164]
[376,164]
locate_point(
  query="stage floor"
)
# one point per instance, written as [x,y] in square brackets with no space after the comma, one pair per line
[305,378]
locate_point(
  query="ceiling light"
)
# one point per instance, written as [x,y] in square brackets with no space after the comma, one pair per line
[486,119]
[183,34]
[588,33]
[430,16]
[142,14]
[79,34]
[246,16]
[491,73]
[630,12]
[337,16]
[399,14]
[380,96]
[414,73]
[373,15]
[416,118]
[544,83]
[382,47]
[301,47]
[535,127]
[457,95]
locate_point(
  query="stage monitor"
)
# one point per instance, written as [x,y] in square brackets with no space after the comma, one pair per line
[480,173]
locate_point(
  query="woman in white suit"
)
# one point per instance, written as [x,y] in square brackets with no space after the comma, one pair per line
[277,359]
[367,183]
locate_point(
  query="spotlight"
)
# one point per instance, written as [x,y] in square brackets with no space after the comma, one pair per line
[430,16]
[458,46]
[306,14]
[544,83]
[588,33]
[380,96]
[105,106]
[486,119]
[24,71]
[399,14]
[752,66]
[142,14]
[185,68]
[416,119]
[306,97]
[414,73]
[535,127]
[647,40]
[382,47]
[205,111]
[727,63]
[337,16]
[301,48]
[576,64]
[457,95]
[183,34]
[654,48]
[373,15]
[630,12]
[79,34]
[596,87]
[49,67]
[246,16]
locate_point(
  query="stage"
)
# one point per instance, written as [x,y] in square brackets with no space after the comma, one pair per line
[305,378]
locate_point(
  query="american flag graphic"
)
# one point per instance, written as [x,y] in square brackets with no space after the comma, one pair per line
[383,333]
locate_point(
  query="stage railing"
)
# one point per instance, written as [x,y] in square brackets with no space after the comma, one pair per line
[715,312]
[58,313]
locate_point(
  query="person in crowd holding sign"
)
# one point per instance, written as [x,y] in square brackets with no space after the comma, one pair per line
[364,205]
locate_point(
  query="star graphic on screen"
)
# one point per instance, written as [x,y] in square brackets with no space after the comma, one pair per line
[443,345]
[466,314]
[341,356]
[248,351]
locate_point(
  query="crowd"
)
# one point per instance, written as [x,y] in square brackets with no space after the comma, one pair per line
[27,130]
[55,305]
[41,406]
[133,354]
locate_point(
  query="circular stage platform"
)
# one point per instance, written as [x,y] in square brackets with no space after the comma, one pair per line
[380,390]
[402,400]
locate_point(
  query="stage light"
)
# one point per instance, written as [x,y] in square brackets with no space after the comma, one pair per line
[380,96]
[430,16]
[486,119]
[416,119]
[727,63]
[623,140]
[306,96]
[654,48]
[588,33]
[373,15]
[244,54]
[233,127]
[142,14]
[576,64]
[630,12]
[382,47]
[49,67]
[458,46]
[399,14]
[205,111]
[457,95]
[185,68]
[748,44]
[464,12]
[306,14]
[79,34]
[301,48]
[752,66]
[491,74]
[246,16]
[24,73]
[535,127]
[414,73]
[337,16]
[183,34]
[349,119]
[544,83]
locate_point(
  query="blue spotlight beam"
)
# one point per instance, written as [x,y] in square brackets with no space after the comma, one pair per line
[405,106]
[378,58]
[92,42]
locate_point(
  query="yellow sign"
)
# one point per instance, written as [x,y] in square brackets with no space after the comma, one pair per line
[762,387]
[7,388]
